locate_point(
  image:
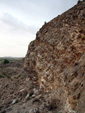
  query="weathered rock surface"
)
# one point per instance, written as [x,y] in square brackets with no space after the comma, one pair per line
[55,61]
[53,79]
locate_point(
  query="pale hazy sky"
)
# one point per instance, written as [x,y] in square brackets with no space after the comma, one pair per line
[21,19]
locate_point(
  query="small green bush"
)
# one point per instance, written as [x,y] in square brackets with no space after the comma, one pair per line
[6,61]
[1,76]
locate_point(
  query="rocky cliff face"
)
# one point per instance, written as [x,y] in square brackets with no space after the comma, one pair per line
[55,60]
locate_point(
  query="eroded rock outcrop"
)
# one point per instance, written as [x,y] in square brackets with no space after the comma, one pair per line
[55,60]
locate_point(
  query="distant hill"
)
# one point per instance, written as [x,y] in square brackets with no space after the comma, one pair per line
[11,57]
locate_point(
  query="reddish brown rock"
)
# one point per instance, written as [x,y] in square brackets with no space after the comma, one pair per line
[55,60]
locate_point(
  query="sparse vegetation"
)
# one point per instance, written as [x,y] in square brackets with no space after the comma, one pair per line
[1,76]
[6,61]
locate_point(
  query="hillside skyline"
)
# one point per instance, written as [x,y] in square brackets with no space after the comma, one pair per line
[20,20]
